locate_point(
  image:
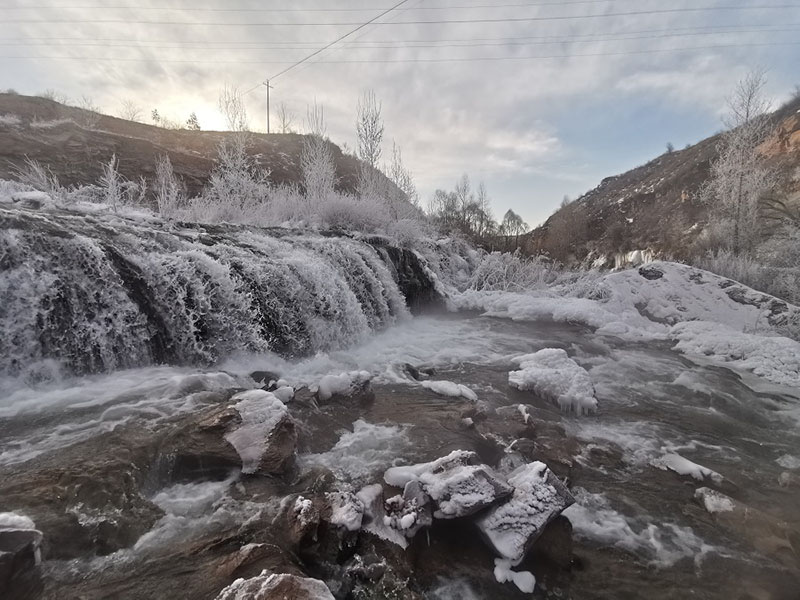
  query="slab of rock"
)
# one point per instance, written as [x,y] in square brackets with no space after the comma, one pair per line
[272,586]
[457,486]
[539,497]
[267,436]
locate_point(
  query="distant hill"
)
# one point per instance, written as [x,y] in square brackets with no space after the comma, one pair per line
[656,207]
[74,142]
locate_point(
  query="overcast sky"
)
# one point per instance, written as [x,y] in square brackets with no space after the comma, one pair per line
[536,98]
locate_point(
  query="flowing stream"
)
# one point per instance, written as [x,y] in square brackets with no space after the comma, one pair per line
[111,327]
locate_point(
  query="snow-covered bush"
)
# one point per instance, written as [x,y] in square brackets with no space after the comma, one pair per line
[511,273]
[775,269]
[32,173]
[237,188]
[8,120]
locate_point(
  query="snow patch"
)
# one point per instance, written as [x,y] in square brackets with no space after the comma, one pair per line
[344,384]
[524,580]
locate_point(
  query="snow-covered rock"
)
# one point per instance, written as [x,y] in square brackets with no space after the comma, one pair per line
[457,486]
[275,586]
[344,384]
[409,512]
[552,374]
[538,497]
[347,511]
[713,501]
[266,437]
[374,522]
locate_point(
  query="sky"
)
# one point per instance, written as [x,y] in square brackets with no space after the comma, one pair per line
[536,98]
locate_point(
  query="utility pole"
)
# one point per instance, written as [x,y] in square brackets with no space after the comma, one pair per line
[268,86]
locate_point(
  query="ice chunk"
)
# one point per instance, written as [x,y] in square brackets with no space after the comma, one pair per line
[524,580]
[555,376]
[683,466]
[261,412]
[714,501]
[539,497]
[449,388]
[456,487]
[284,393]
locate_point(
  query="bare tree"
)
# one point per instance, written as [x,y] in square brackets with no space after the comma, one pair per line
[130,111]
[739,177]
[513,225]
[231,105]
[285,118]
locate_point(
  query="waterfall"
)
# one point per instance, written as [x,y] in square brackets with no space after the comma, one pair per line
[96,293]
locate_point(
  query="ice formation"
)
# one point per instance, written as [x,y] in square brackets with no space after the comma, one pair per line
[551,373]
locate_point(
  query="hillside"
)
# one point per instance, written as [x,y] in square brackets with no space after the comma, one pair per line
[656,207]
[74,142]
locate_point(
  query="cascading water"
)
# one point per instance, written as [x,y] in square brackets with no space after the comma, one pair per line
[99,293]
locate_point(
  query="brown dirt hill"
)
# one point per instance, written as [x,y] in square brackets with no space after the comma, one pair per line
[74,143]
[657,206]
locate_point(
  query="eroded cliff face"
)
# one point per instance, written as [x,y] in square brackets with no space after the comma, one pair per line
[656,208]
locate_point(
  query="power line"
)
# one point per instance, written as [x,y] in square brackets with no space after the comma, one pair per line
[659,11]
[411,44]
[339,39]
[408,60]
[354,43]
[295,10]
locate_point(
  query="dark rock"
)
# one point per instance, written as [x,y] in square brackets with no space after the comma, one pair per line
[650,273]
[555,543]
[264,377]
[198,450]
[19,560]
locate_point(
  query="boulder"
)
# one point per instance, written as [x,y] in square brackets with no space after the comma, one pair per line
[272,586]
[266,437]
[20,555]
[512,527]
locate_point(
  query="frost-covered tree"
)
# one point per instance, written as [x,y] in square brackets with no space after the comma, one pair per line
[316,159]
[403,198]
[739,178]
[167,189]
[369,134]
